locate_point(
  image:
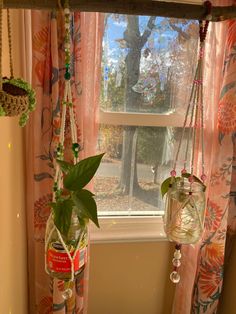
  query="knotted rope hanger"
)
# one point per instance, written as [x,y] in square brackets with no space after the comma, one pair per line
[9,43]
[195,110]
[67,105]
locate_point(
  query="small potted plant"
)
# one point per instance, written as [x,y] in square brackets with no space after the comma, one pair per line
[66,231]
[184,208]
[16,98]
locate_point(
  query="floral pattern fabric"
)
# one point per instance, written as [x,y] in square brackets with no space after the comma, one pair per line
[205,261]
[42,136]
[209,277]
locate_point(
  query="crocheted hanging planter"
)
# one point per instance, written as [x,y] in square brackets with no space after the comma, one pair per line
[17,98]
[185,194]
[16,95]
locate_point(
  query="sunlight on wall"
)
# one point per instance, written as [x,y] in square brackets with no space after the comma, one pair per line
[13,262]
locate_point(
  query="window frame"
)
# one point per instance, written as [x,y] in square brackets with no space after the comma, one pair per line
[141,119]
[135,228]
[126,228]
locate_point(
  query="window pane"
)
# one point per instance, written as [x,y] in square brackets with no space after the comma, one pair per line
[147,63]
[136,162]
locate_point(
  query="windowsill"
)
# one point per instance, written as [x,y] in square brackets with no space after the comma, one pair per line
[170,119]
[128,229]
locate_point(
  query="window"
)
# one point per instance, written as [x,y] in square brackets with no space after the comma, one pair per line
[147,65]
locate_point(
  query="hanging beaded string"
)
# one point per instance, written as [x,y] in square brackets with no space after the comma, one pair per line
[58,180]
[195,106]
[196,112]
[1,7]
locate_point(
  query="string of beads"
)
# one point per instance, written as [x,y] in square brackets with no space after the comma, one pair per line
[195,115]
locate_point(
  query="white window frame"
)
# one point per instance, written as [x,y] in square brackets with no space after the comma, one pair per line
[139,228]
[141,119]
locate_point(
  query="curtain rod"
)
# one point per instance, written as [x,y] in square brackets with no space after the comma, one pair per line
[136,7]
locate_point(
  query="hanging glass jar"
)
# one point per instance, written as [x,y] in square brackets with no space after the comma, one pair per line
[184,213]
[185,194]
[71,256]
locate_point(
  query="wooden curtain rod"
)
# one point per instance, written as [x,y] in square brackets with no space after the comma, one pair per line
[136,7]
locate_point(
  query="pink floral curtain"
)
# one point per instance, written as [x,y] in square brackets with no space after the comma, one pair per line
[202,266]
[42,135]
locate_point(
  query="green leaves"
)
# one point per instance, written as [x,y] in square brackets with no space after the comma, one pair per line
[85,205]
[81,173]
[65,166]
[62,215]
[73,196]
[166,184]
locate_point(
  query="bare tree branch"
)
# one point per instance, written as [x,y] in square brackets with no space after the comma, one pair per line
[179,30]
[148,31]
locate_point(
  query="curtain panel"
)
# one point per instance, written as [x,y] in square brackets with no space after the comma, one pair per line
[42,136]
[203,264]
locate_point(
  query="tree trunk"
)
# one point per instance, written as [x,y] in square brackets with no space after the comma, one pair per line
[128,150]
[132,101]
[135,43]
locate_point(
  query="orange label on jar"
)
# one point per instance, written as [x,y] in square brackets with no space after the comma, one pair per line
[60,262]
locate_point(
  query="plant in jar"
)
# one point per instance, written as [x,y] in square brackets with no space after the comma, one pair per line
[66,231]
[185,207]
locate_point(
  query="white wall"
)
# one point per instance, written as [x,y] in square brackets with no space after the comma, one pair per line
[130,278]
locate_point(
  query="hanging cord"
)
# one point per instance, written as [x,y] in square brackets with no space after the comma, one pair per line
[190,134]
[67,103]
[10,42]
[199,117]
[196,121]
[192,97]
[195,106]
[59,5]
[1,7]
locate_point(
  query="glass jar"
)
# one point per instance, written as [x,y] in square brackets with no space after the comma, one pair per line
[185,212]
[58,263]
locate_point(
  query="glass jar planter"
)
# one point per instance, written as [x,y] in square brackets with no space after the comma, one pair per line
[58,262]
[185,212]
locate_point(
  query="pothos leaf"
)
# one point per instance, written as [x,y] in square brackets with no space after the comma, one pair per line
[65,166]
[85,205]
[81,173]
[166,183]
[62,211]
[165,186]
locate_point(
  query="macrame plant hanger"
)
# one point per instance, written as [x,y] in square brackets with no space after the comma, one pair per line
[185,199]
[67,106]
[16,95]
